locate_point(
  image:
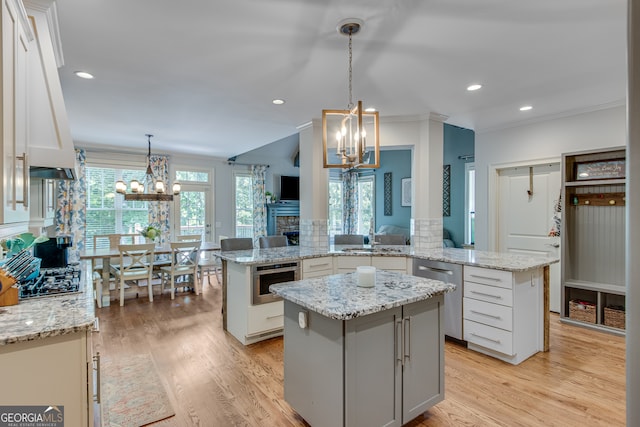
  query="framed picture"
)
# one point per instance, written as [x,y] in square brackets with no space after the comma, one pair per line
[406,192]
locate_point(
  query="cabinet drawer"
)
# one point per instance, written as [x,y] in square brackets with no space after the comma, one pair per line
[315,265]
[390,263]
[488,276]
[490,314]
[351,262]
[488,337]
[265,317]
[491,294]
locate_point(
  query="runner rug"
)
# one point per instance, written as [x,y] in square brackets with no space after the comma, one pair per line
[132,393]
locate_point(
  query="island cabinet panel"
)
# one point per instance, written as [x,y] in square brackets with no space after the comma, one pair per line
[382,369]
[317,267]
[348,264]
[390,263]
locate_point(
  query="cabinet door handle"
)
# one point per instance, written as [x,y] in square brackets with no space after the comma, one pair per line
[275,316]
[485,338]
[96,359]
[486,295]
[398,341]
[486,315]
[407,338]
[486,278]
[437,270]
[318,265]
[25,181]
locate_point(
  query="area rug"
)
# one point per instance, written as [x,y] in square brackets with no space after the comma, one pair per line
[132,393]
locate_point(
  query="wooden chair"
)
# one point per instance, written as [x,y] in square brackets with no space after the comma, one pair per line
[348,239]
[236,244]
[187,237]
[184,262]
[110,241]
[208,264]
[389,239]
[272,241]
[134,265]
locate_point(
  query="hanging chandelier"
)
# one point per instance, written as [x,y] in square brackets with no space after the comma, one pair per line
[350,137]
[150,189]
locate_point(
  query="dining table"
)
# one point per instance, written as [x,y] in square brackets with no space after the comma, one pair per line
[106,254]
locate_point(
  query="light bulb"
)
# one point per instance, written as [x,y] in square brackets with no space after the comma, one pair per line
[159,186]
[176,188]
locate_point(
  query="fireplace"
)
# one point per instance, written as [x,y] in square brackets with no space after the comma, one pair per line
[284,219]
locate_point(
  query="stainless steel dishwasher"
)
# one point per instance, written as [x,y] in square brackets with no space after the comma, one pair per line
[449,273]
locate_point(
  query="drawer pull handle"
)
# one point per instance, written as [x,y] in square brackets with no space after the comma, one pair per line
[437,270]
[275,316]
[495,279]
[326,264]
[486,295]
[487,315]
[485,338]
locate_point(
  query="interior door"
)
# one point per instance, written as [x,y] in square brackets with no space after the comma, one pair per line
[527,198]
[196,212]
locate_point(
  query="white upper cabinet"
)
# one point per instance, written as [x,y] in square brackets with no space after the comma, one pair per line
[16,43]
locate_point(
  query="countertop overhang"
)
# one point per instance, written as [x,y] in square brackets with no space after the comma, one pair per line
[339,297]
[494,260]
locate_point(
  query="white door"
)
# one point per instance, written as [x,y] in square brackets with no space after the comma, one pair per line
[527,199]
[196,212]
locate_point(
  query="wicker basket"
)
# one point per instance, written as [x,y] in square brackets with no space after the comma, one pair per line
[582,311]
[614,317]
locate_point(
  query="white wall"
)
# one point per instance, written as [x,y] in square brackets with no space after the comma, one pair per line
[536,141]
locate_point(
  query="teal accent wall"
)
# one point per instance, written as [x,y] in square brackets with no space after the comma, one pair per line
[457,142]
[398,162]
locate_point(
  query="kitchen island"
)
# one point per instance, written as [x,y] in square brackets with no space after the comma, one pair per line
[356,356]
[46,355]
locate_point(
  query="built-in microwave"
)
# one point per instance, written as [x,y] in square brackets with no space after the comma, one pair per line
[265,275]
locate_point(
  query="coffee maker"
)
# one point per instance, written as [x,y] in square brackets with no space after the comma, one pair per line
[53,252]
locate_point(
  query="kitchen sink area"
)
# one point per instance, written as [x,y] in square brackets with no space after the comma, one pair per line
[374,250]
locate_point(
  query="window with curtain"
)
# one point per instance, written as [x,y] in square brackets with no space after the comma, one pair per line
[106,213]
[243,204]
[366,204]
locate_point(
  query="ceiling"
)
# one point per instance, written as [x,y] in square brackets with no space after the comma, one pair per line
[201,75]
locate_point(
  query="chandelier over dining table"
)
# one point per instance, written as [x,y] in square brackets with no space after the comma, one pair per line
[151,189]
[350,136]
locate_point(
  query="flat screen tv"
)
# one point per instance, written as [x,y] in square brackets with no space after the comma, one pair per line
[289,188]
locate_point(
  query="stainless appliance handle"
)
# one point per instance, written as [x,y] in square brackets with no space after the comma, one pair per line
[436,270]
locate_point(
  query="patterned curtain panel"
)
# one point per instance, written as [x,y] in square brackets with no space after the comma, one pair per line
[72,208]
[159,211]
[258,173]
[350,202]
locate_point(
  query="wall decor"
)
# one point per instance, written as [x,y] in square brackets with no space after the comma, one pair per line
[446,190]
[387,193]
[406,192]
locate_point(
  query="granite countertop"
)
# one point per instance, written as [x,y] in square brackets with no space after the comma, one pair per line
[495,260]
[44,317]
[338,296]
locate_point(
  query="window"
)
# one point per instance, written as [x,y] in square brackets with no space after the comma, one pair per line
[366,205]
[107,214]
[470,203]
[244,205]
[196,210]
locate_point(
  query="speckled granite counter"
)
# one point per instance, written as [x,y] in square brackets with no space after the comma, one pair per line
[46,317]
[338,296]
[494,260]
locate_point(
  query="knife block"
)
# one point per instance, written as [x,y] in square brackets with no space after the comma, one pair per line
[10,297]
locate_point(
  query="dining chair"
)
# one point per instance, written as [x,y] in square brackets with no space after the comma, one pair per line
[184,263]
[272,241]
[236,244]
[107,241]
[134,265]
[389,239]
[208,264]
[348,239]
[187,237]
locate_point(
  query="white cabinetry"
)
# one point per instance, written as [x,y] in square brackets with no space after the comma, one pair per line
[317,267]
[65,361]
[347,264]
[379,369]
[16,39]
[502,312]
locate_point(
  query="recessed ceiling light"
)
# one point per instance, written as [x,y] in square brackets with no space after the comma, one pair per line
[278,101]
[526,108]
[473,87]
[370,110]
[84,74]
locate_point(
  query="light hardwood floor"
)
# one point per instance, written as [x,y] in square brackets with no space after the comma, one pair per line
[212,380]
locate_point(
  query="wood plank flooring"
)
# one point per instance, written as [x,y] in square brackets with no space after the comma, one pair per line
[213,380]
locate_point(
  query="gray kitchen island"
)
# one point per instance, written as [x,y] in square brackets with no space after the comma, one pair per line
[357,356]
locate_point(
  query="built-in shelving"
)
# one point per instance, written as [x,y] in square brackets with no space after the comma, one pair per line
[593,238]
